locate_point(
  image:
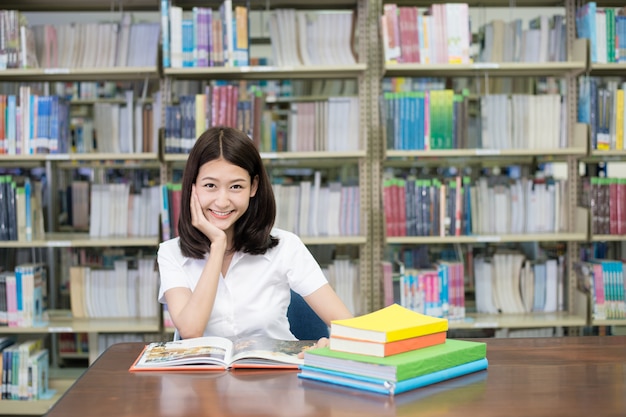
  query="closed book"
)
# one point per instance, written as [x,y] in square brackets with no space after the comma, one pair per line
[382,386]
[401,366]
[388,325]
[381,350]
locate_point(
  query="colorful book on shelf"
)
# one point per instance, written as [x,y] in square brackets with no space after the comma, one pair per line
[218,353]
[381,349]
[401,366]
[383,386]
[388,325]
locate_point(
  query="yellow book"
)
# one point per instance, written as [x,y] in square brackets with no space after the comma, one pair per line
[388,325]
[619,121]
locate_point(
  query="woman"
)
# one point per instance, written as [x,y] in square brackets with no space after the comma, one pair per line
[229,272]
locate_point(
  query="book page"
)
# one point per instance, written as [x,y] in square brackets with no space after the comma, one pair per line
[196,351]
[264,351]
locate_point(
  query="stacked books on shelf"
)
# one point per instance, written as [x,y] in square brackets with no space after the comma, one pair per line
[391,351]
[25,369]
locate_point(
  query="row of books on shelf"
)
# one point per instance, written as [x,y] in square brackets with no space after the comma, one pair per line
[127,290]
[117,43]
[438,291]
[459,206]
[113,210]
[509,282]
[601,105]
[23,295]
[21,212]
[391,351]
[310,208]
[131,127]
[312,37]
[331,124]
[34,124]
[605,282]
[608,205]
[31,123]
[605,27]
[205,38]
[439,35]
[218,105]
[73,343]
[25,369]
[544,40]
[440,119]
[343,277]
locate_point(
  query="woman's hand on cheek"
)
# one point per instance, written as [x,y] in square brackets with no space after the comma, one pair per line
[200,221]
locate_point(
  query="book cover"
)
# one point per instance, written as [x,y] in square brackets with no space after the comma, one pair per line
[218,353]
[388,324]
[401,366]
[364,347]
[382,386]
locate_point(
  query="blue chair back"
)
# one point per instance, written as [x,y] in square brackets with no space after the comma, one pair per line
[304,323]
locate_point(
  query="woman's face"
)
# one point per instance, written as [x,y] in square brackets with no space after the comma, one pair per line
[224,191]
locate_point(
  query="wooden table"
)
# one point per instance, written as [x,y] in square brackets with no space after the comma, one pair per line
[570,376]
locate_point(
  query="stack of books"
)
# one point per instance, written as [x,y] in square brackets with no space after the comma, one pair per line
[390,351]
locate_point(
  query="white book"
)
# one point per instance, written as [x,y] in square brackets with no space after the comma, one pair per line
[123,41]
[176,36]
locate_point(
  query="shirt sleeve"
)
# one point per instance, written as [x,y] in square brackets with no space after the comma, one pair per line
[170,268]
[305,274]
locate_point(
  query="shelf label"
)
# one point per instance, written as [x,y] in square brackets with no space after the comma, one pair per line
[56,71]
[486,325]
[59,244]
[61,329]
[269,155]
[488,238]
[58,157]
[486,65]
[487,151]
[260,68]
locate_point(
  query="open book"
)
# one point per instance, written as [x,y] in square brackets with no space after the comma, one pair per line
[218,353]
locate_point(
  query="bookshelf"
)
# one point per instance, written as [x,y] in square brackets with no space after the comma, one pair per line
[608,78]
[58,239]
[577,147]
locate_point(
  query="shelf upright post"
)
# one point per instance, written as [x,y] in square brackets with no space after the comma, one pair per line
[375,154]
[572,161]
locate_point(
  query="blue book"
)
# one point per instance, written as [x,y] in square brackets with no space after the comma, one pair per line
[382,386]
[165,32]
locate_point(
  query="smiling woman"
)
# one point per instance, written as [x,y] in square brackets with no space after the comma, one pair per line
[230,272]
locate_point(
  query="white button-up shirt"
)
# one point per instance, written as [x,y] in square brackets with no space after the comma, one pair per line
[254,297]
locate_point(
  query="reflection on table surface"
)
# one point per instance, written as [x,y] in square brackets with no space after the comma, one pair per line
[247,393]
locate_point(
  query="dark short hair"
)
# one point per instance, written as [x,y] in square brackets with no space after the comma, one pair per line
[252,230]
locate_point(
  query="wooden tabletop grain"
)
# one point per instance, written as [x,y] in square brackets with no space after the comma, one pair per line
[569,376]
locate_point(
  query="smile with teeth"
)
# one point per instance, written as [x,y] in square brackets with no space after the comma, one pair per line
[221,213]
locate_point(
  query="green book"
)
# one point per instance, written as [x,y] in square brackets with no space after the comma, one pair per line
[401,366]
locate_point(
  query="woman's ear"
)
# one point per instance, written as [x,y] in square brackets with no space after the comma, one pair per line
[255,186]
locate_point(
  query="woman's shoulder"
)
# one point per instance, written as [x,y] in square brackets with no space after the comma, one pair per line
[170,245]
[285,236]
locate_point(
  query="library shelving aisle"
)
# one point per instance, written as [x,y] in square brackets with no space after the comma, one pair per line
[52,163]
[464,159]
